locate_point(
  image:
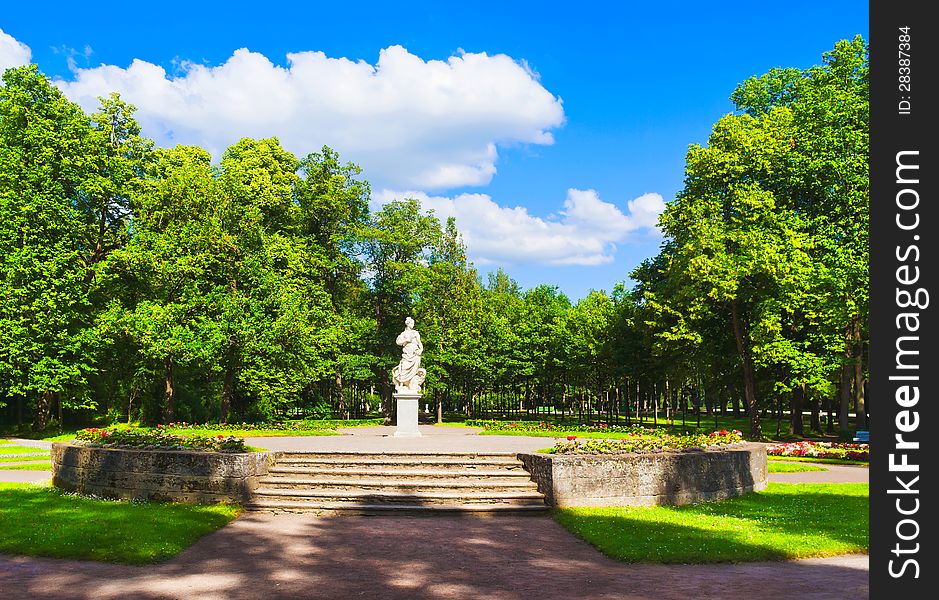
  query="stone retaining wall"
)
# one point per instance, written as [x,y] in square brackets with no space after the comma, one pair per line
[647,479]
[191,477]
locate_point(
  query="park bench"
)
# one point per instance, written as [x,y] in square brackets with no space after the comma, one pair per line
[862,436]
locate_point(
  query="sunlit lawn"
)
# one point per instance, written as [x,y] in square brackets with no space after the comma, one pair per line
[787,467]
[7,449]
[325,427]
[42,465]
[38,520]
[22,457]
[822,461]
[784,522]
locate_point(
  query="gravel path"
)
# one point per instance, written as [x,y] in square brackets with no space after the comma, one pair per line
[269,557]
[10,476]
[381,439]
[834,474]
[39,444]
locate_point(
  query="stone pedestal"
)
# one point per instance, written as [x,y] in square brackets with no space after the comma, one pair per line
[407,415]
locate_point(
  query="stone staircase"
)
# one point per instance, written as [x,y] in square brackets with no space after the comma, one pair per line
[398,482]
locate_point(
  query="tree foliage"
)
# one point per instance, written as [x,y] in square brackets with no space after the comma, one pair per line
[152,284]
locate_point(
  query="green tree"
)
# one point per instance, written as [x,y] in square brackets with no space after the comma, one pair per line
[395,246]
[333,213]
[45,145]
[167,269]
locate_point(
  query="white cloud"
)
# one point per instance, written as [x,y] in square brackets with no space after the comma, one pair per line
[12,52]
[408,122]
[586,233]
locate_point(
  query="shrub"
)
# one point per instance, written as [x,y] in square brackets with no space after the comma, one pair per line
[645,443]
[159,439]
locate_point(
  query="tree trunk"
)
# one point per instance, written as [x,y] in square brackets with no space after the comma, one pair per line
[228,392]
[58,401]
[385,390]
[169,407]
[130,403]
[749,385]
[796,400]
[43,410]
[816,423]
[341,397]
[859,396]
[844,397]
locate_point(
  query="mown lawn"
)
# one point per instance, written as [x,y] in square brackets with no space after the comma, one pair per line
[786,521]
[42,465]
[322,427]
[821,461]
[38,520]
[21,457]
[8,449]
[787,467]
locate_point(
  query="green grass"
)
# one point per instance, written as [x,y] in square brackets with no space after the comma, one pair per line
[43,465]
[62,437]
[245,433]
[786,521]
[22,450]
[22,457]
[821,461]
[242,433]
[787,467]
[41,521]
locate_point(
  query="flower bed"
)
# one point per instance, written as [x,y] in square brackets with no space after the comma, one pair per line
[159,439]
[821,450]
[527,426]
[645,443]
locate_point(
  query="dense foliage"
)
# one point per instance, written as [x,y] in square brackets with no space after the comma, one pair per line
[150,285]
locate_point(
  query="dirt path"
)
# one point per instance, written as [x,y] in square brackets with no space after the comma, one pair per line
[512,558]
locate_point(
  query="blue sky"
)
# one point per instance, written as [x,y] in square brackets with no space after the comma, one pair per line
[554,158]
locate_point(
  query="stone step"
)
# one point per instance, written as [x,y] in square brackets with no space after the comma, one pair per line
[357,508]
[522,497]
[402,473]
[398,463]
[383,483]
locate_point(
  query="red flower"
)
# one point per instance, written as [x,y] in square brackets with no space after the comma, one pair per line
[723,432]
[571,438]
[220,436]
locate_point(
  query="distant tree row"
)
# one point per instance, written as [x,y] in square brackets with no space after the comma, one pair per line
[149,284]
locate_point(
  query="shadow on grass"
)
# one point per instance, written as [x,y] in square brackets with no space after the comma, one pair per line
[40,521]
[786,521]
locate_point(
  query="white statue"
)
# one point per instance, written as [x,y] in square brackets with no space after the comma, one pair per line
[408,375]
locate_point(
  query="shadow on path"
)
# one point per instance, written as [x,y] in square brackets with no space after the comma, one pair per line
[514,558]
